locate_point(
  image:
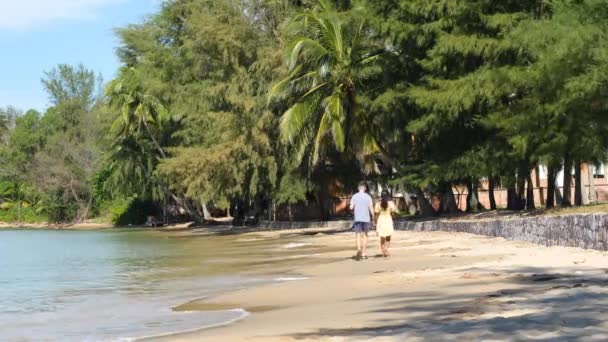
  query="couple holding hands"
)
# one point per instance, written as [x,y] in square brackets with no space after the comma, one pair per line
[366,212]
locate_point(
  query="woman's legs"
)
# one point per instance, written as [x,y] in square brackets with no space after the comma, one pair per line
[387,245]
[384,245]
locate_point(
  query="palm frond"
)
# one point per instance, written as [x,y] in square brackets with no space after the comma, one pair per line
[307,48]
[294,121]
[323,129]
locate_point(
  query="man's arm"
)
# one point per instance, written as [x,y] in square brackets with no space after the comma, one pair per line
[352,203]
[372,212]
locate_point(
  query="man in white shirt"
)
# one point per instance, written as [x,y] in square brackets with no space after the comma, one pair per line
[362,206]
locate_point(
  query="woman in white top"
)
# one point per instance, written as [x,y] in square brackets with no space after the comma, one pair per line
[385,225]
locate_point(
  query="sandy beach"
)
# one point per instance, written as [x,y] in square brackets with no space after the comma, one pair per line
[437,286]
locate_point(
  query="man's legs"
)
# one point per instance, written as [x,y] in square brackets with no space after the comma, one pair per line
[358,238]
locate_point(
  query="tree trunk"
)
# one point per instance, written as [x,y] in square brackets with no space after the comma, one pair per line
[567,197]
[206,214]
[558,195]
[181,202]
[426,209]
[289,212]
[476,200]
[165,218]
[350,109]
[185,205]
[19,212]
[584,192]
[530,193]
[491,186]
[592,193]
[155,142]
[551,188]
[521,188]
[323,206]
[84,212]
[448,202]
[513,202]
[541,191]
[578,182]
[469,207]
[410,206]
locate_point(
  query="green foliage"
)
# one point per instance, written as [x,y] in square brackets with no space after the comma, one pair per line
[126,211]
[292,189]
[70,153]
[69,84]
[10,214]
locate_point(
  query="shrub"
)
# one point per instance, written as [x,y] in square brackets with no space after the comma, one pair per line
[128,211]
[28,215]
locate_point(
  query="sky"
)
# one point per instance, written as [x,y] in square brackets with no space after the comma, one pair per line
[36,35]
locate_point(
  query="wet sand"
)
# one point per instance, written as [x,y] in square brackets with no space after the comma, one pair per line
[437,286]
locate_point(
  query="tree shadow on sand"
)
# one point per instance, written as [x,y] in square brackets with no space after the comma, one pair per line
[536,305]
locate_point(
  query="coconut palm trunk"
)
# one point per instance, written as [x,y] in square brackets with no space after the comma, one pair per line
[159,148]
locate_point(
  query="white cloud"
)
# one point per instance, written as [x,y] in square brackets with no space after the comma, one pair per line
[21,15]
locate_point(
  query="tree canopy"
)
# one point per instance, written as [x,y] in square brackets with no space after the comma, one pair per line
[225,101]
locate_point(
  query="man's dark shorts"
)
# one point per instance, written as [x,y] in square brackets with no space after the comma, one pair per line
[362,227]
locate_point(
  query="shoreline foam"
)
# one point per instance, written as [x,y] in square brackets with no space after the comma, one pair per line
[244,314]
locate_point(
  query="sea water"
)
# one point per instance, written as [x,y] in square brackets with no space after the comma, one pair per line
[121,285]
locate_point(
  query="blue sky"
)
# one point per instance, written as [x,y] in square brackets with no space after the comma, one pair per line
[36,35]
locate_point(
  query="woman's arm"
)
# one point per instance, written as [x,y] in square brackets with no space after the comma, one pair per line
[393,208]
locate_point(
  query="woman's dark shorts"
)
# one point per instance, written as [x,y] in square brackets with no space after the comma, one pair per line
[362,227]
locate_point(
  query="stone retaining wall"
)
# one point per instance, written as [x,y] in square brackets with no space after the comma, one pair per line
[284,225]
[584,231]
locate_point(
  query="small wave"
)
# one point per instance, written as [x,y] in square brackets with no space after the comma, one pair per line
[284,279]
[290,257]
[296,245]
[242,315]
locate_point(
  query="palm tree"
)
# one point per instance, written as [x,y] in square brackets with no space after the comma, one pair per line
[140,109]
[143,115]
[327,66]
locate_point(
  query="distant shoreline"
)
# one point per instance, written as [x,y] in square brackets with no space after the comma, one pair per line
[84,226]
[47,226]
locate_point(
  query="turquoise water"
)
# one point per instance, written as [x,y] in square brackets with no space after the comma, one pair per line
[120,285]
